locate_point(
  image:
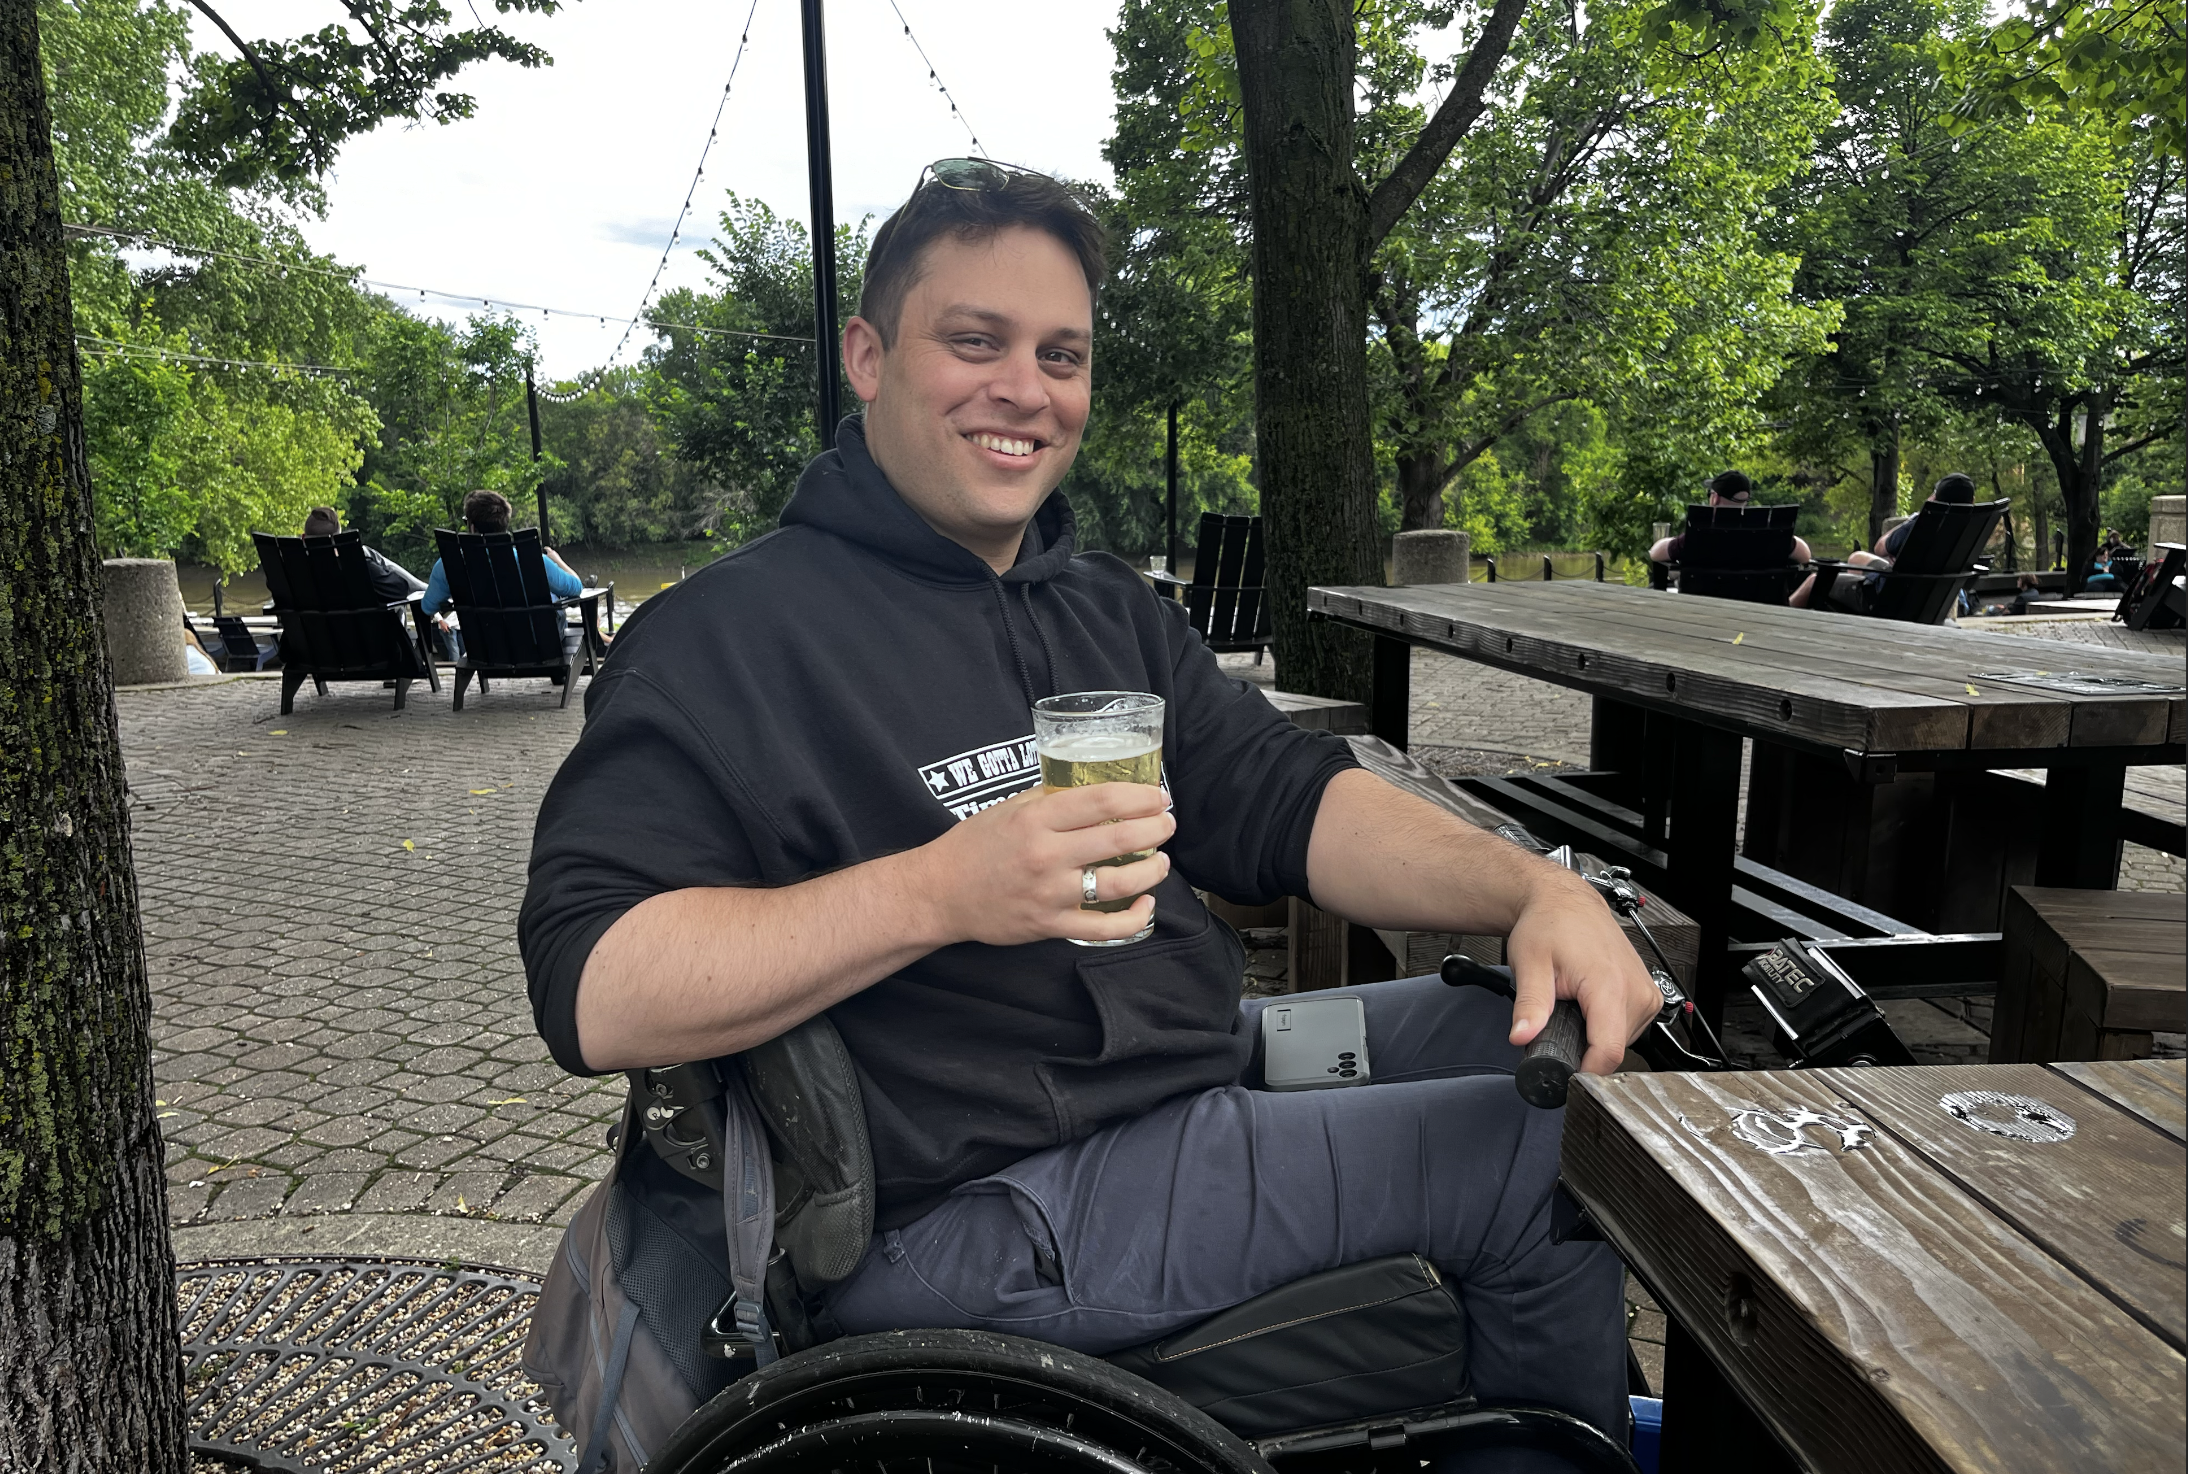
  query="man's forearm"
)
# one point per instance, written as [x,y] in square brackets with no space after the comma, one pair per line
[695,974]
[1382,857]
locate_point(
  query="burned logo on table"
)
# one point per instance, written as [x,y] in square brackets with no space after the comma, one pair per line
[1786,1133]
[2016,1117]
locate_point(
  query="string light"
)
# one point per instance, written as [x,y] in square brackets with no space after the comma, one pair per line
[955,110]
[111,348]
[352,276]
[676,231]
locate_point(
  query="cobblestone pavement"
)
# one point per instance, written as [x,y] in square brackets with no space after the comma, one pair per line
[330,906]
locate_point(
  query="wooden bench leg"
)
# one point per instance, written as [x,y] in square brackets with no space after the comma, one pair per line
[2080,844]
[1705,812]
[291,679]
[1707,1428]
[1390,713]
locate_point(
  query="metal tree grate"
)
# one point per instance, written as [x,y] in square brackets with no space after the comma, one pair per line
[363,1366]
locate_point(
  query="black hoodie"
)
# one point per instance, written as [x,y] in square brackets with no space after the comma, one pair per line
[849,686]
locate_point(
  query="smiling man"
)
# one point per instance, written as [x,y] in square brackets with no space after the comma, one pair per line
[807,783]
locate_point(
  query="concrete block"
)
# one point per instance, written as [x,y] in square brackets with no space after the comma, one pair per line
[143,609]
[1437,555]
[2168,521]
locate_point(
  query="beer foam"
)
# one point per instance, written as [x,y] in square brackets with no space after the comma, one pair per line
[1099,747]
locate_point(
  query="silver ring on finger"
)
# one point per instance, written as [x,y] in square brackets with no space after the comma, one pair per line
[1086,885]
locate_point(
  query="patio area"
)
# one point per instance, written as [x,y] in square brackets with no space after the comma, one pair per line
[330,904]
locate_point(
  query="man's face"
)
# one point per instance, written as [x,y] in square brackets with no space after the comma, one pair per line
[976,410]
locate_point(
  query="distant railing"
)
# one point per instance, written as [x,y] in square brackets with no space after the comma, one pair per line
[1549,569]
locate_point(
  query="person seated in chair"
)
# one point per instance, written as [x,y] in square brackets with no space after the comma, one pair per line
[2026,591]
[390,579]
[807,781]
[1854,594]
[489,511]
[1726,489]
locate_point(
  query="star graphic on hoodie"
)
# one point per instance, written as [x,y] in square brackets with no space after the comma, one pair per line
[937,782]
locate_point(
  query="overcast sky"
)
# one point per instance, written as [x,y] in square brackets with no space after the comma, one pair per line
[563,189]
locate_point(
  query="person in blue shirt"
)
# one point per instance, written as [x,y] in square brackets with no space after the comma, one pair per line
[488,511]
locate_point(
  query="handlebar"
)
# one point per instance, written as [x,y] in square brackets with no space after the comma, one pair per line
[1547,1066]
[1546,1070]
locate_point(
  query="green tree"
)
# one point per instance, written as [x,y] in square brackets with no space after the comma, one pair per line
[2123,63]
[1595,241]
[1174,322]
[614,478]
[452,420]
[194,431]
[87,1312]
[1322,208]
[732,379]
[2022,269]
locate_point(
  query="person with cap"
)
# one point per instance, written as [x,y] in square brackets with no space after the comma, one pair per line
[1853,594]
[1726,489]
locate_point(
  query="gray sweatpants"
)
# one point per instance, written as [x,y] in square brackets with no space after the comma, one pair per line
[1211,1199]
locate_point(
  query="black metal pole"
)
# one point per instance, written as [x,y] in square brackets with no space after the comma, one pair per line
[1170,470]
[531,408]
[819,179]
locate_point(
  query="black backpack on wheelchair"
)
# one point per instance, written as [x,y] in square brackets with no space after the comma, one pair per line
[685,1332]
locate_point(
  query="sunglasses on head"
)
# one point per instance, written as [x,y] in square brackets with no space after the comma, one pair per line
[973,174]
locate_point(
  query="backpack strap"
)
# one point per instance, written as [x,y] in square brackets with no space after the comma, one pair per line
[611,1390]
[748,1217]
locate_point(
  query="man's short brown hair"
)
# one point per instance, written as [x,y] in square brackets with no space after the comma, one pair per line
[486,511]
[1016,199]
[321,522]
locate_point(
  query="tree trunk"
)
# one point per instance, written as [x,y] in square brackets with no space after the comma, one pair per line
[90,1367]
[1420,489]
[1314,455]
[1883,481]
[2080,469]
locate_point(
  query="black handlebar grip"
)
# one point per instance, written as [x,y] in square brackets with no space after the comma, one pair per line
[1546,1070]
[1462,971]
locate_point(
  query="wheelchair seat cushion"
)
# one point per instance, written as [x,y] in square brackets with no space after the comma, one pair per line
[1377,1337]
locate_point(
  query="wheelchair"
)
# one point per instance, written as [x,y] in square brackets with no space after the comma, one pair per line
[1357,1369]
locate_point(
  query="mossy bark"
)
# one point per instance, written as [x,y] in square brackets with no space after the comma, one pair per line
[1314,441]
[90,1369]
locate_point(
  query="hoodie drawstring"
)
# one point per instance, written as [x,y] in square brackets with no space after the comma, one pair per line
[1002,604]
[1048,656]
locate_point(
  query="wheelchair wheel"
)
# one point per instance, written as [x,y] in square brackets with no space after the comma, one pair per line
[950,1402]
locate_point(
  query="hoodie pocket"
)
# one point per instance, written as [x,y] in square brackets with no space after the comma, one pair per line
[1168,1009]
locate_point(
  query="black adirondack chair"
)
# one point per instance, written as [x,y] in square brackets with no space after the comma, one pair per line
[1743,553]
[233,647]
[512,625]
[1225,599]
[1939,559]
[334,627]
[2154,599]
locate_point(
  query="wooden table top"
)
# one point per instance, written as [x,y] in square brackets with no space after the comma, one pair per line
[1966,1267]
[1868,685]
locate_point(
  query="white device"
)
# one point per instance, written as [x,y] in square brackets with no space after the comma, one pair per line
[1314,1043]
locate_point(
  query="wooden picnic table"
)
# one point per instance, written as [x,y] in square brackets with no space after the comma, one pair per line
[1966,1267]
[1860,700]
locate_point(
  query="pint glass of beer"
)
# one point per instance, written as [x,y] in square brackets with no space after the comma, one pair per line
[1093,737]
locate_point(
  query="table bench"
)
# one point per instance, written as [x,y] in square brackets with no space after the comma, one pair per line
[2089,975]
[1973,1267]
